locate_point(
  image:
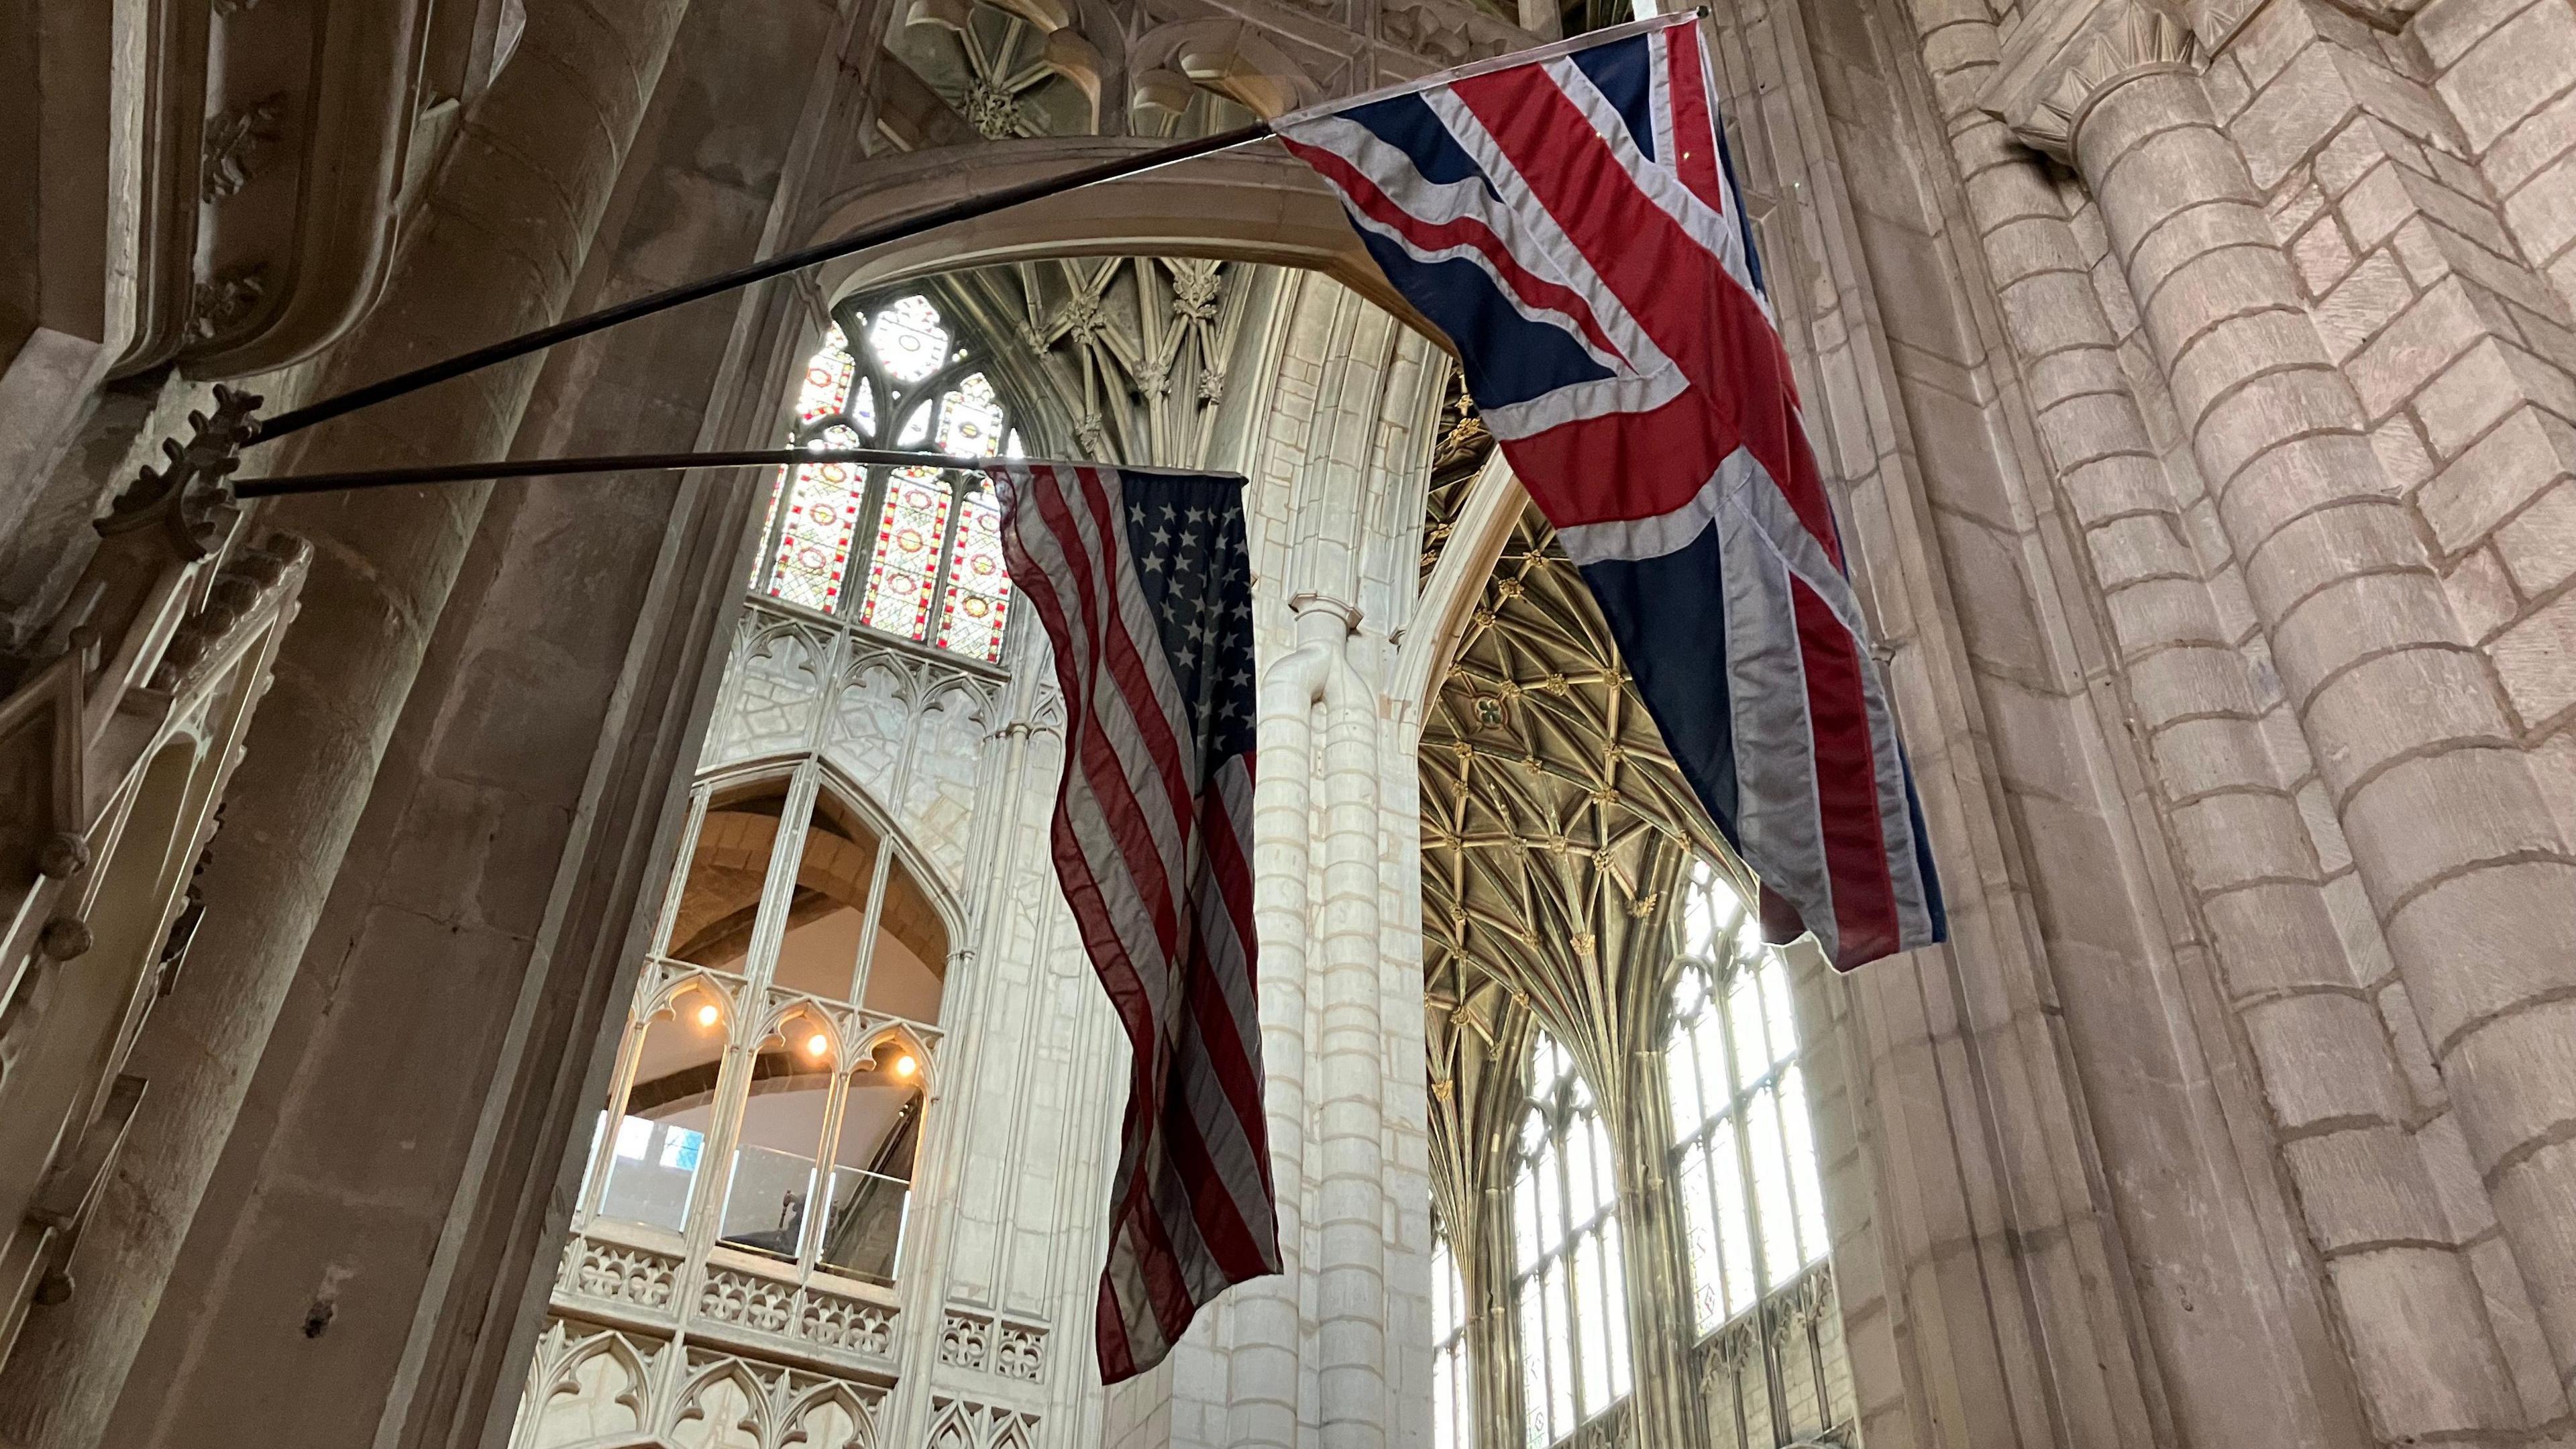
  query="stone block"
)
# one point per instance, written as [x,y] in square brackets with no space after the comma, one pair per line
[2531,146]
[2223,353]
[2414,346]
[2294,206]
[2536,661]
[2483,940]
[2240,836]
[2368,296]
[2138,547]
[2543,213]
[2197,756]
[2325,832]
[2274,37]
[2515,1067]
[2399,703]
[2518,1334]
[2356,617]
[2423,819]
[2177,682]
[2426,1364]
[2324,1060]
[2276,937]
[2322,255]
[2291,409]
[2506,75]
[2524,455]
[2292,112]
[2478,389]
[2315,549]
[2447,28]
[2537,546]
[2365,1185]
[2377,203]
[2357,923]
[2481,593]
[2408,116]
[2162,611]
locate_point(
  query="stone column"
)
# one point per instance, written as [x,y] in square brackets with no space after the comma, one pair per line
[500,239]
[2176,620]
[2472,884]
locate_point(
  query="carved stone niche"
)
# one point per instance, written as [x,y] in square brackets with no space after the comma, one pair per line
[281,144]
[2068,54]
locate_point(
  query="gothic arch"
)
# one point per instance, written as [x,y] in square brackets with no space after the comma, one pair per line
[1256,204]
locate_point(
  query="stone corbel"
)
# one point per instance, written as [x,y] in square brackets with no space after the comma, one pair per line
[2063,59]
[1229,57]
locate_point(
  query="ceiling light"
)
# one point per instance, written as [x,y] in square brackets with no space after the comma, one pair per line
[709,1014]
[818,1045]
[904,1066]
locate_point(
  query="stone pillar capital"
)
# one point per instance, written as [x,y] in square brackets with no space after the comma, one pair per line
[2063,59]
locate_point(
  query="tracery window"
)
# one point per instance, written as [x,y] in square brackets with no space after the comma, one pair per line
[771,1095]
[1744,1164]
[1568,1289]
[911,551]
[1453,1409]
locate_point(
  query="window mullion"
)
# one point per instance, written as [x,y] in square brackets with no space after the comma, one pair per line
[955,482]
[863,542]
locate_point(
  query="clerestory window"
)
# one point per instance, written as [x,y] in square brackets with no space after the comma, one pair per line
[1453,1408]
[915,552]
[1744,1164]
[1568,1287]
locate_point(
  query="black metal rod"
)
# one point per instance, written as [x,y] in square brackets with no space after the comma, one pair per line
[777,266]
[289,484]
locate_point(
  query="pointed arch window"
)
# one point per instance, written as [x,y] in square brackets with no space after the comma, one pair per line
[1453,1406]
[776,1073]
[1769,1354]
[911,551]
[1569,1292]
[1744,1152]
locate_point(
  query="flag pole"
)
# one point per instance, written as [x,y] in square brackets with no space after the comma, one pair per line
[292,484]
[964,209]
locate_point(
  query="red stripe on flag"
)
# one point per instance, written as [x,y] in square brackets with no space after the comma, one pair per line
[1865,922]
[1463,232]
[1696,161]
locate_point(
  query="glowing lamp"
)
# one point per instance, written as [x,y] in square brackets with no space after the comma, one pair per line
[818,1045]
[905,1066]
[709,1014]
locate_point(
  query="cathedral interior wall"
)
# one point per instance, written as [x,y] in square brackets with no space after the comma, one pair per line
[2198,391]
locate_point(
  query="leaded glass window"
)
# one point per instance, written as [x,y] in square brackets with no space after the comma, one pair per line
[1453,1411]
[915,552]
[1568,1288]
[1744,1164]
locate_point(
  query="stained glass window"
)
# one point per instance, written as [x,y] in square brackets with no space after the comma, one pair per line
[979,588]
[909,340]
[906,563]
[1453,1417]
[1568,1285]
[929,537]
[814,540]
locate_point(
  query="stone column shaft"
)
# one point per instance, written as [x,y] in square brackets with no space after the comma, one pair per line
[2472,883]
[2237,828]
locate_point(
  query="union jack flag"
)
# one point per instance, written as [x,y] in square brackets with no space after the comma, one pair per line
[1145,587]
[1569,218]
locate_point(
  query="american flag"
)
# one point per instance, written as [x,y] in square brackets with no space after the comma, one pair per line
[1145,588]
[1570,220]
